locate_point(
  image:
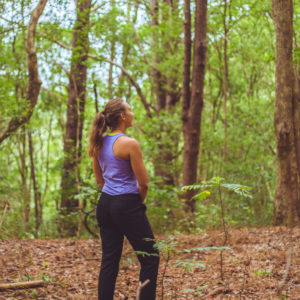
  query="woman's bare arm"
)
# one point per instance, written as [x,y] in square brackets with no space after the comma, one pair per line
[98,173]
[138,167]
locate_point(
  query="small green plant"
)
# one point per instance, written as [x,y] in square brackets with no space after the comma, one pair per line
[219,184]
[216,186]
[34,294]
[26,276]
[262,273]
[46,263]
[144,253]
[206,249]
[47,278]
[197,291]
[167,247]
[189,264]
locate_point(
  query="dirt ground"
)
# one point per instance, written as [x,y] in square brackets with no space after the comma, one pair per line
[259,261]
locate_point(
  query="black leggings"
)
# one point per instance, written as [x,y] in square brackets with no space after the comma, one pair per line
[119,216]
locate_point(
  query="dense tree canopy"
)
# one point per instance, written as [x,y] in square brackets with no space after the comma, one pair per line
[88,52]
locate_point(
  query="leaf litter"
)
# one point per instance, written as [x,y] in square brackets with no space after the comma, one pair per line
[254,264]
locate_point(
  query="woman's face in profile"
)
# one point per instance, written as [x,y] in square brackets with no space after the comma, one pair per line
[128,115]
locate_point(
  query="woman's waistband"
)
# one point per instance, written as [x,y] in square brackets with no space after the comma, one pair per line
[121,196]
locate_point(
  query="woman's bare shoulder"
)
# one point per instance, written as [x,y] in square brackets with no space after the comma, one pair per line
[129,142]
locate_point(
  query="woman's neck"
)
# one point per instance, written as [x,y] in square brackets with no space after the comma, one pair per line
[119,129]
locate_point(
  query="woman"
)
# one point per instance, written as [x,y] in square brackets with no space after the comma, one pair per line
[121,175]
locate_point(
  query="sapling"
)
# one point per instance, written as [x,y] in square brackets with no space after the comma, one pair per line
[218,184]
[166,246]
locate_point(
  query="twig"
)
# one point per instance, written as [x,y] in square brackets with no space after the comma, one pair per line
[51,93]
[216,291]
[140,45]
[283,282]
[97,7]
[62,68]
[85,222]
[21,285]
[140,287]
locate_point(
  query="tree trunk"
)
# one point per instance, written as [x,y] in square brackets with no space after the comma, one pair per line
[156,74]
[191,114]
[167,96]
[23,172]
[296,109]
[110,73]
[34,82]
[36,192]
[287,177]
[75,116]
[225,87]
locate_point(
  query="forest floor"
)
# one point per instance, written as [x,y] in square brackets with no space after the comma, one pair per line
[257,261]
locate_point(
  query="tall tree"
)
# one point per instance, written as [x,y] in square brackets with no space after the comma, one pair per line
[287,190]
[38,207]
[34,82]
[165,82]
[192,103]
[75,116]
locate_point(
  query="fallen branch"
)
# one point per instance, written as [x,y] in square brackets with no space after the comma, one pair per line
[21,285]
[140,287]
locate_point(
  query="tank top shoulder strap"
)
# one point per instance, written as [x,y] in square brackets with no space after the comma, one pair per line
[113,137]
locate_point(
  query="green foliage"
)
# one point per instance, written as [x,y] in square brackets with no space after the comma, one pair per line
[189,264]
[198,291]
[127,27]
[210,201]
[262,273]
[206,249]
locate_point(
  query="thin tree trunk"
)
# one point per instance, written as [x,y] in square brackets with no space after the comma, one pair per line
[34,82]
[225,58]
[75,116]
[156,74]
[96,96]
[186,90]
[110,77]
[287,177]
[23,172]
[192,117]
[47,161]
[36,192]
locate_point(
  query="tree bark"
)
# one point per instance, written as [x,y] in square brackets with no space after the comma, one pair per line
[192,110]
[156,74]
[23,172]
[186,90]
[167,94]
[225,87]
[36,192]
[34,82]
[75,115]
[287,177]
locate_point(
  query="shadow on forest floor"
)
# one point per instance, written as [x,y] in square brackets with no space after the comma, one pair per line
[252,268]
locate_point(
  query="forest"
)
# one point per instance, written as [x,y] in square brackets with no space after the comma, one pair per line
[215,91]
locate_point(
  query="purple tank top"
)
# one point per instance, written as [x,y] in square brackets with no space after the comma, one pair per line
[117,173]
